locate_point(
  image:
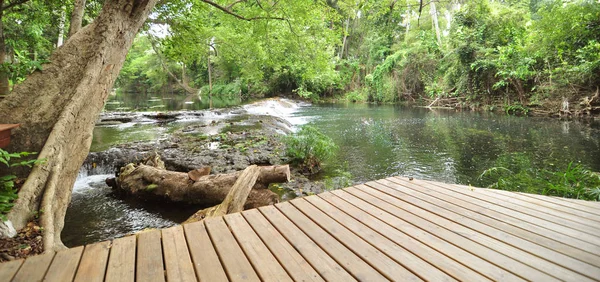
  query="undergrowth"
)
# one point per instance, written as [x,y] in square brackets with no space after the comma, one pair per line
[8,193]
[515,172]
[309,148]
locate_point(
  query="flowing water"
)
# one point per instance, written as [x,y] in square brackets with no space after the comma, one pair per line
[375,142]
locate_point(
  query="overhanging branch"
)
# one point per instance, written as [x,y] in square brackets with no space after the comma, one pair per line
[228,11]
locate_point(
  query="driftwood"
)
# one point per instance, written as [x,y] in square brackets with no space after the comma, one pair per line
[208,190]
[235,199]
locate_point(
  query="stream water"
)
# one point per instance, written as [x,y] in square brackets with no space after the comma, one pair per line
[375,142]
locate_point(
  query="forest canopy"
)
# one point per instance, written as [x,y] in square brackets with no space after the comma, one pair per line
[477,53]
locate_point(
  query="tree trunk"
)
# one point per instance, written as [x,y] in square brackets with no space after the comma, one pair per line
[4,86]
[209,76]
[235,199]
[209,190]
[434,18]
[61,26]
[76,17]
[343,48]
[407,21]
[58,107]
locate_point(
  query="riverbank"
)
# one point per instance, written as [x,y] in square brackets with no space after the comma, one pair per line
[584,107]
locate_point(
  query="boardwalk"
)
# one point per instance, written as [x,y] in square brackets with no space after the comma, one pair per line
[390,229]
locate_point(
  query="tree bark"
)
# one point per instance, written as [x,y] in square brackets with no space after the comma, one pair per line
[76,17]
[235,199]
[4,85]
[434,18]
[209,190]
[58,107]
[343,48]
[61,26]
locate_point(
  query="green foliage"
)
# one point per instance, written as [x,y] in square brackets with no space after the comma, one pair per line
[516,109]
[490,51]
[8,192]
[309,148]
[223,90]
[359,95]
[515,172]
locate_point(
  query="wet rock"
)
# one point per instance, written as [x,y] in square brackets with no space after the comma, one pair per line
[163,116]
[244,141]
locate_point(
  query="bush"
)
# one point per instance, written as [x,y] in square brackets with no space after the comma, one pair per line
[357,96]
[8,193]
[515,172]
[309,148]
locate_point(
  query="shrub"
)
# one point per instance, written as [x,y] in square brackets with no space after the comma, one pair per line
[514,172]
[309,148]
[8,193]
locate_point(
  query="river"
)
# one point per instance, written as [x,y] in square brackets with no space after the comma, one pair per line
[375,142]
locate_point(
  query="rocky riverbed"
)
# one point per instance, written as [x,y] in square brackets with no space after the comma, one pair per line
[226,140]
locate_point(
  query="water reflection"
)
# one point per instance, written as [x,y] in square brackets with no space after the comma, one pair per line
[126,101]
[447,146]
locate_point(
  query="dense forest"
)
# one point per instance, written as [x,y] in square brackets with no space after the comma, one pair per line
[513,55]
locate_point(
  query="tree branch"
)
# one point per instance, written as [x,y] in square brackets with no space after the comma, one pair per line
[228,11]
[10,5]
[234,3]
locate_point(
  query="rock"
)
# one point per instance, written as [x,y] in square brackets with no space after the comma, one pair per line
[252,139]
[7,230]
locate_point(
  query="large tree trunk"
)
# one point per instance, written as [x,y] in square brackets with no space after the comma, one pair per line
[57,109]
[76,17]
[209,190]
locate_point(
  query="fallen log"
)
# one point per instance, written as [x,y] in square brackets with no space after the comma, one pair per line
[235,199]
[146,181]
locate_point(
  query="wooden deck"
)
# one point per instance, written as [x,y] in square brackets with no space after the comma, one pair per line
[390,229]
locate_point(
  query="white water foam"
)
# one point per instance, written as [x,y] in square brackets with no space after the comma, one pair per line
[279,107]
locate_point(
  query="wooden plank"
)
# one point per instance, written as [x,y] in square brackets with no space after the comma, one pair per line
[205,258]
[237,266]
[92,266]
[523,205]
[591,240]
[549,204]
[374,257]
[476,256]
[517,249]
[9,269]
[178,263]
[34,268]
[327,267]
[121,261]
[149,263]
[295,265]
[585,232]
[64,265]
[265,264]
[437,259]
[581,205]
[346,258]
[5,134]
[550,239]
